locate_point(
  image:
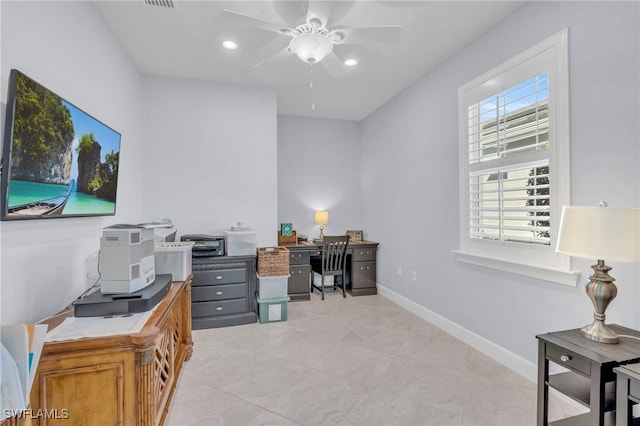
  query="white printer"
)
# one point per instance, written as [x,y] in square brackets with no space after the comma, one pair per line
[127,260]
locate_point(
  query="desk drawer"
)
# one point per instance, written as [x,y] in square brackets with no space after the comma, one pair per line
[208,293]
[568,359]
[221,307]
[221,276]
[363,254]
[298,257]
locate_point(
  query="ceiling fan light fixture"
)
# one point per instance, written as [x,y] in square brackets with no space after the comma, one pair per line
[311,48]
[230,44]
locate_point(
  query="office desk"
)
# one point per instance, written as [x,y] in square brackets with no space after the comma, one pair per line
[361,268]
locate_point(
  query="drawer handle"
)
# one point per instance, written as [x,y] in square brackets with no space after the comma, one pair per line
[219,308]
[218,293]
[219,277]
[565,358]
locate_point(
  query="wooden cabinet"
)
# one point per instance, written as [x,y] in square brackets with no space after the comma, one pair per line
[117,380]
[223,291]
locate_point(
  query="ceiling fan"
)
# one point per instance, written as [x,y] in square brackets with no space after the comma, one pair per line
[313,41]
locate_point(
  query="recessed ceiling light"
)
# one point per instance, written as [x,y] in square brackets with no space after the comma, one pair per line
[231,45]
[351,62]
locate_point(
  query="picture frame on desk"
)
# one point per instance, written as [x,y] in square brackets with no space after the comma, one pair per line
[355,235]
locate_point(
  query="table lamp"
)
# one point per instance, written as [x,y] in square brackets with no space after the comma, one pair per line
[322,218]
[600,233]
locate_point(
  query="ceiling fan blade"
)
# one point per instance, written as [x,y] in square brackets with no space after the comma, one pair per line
[236,18]
[334,65]
[277,56]
[266,52]
[387,34]
[318,13]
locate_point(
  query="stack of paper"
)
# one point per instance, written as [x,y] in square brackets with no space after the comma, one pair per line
[21,349]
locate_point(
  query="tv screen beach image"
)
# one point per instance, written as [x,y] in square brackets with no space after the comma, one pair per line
[62,160]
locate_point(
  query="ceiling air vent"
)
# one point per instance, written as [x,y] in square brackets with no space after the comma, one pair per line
[170,4]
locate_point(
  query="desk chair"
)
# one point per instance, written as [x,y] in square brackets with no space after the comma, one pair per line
[332,262]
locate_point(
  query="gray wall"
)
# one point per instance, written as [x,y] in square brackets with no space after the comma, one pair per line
[319,169]
[414,212]
[67,47]
[210,156]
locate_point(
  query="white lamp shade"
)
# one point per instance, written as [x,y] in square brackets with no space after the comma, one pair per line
[322,217]
[311,47]
[603,233]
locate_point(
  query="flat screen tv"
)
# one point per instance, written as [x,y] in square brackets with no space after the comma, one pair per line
[57,160]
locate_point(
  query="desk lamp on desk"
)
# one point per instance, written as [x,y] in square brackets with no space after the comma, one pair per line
[600,233]
[321,218]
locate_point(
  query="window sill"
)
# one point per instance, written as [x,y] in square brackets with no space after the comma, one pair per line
[547,273]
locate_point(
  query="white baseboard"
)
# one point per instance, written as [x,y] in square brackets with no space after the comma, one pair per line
[507,358]
[514,362]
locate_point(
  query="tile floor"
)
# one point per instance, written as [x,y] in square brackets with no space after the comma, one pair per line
[353,361]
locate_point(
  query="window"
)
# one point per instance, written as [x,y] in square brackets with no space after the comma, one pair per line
[514,162]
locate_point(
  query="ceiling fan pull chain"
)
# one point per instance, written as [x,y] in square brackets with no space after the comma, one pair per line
[313,105]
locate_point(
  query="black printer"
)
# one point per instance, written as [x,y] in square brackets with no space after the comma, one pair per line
[205,245]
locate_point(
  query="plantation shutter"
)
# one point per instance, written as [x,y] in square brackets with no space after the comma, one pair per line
[508,164]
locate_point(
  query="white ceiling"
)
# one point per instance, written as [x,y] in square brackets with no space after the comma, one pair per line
[185,42]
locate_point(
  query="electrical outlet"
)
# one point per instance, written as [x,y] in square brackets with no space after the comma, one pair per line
[414,276]
[399,270]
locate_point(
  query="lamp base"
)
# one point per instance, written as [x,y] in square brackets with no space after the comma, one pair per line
[601,290]
[599,332]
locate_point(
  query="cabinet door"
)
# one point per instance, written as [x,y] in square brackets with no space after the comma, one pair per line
[299,279]
[363,275]
[94,389]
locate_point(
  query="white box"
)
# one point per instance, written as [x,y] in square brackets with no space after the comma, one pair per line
[317,279]
[242,243]
[174,258]
[273,287]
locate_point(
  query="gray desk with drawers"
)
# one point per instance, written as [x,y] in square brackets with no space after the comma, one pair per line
[223,288]
[361,268]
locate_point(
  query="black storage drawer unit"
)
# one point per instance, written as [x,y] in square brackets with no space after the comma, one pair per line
[222,291]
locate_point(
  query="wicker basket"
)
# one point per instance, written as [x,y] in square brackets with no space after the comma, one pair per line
[273,261]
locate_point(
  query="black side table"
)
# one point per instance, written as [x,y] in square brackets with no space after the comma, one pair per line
[628,394]
[590,379]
